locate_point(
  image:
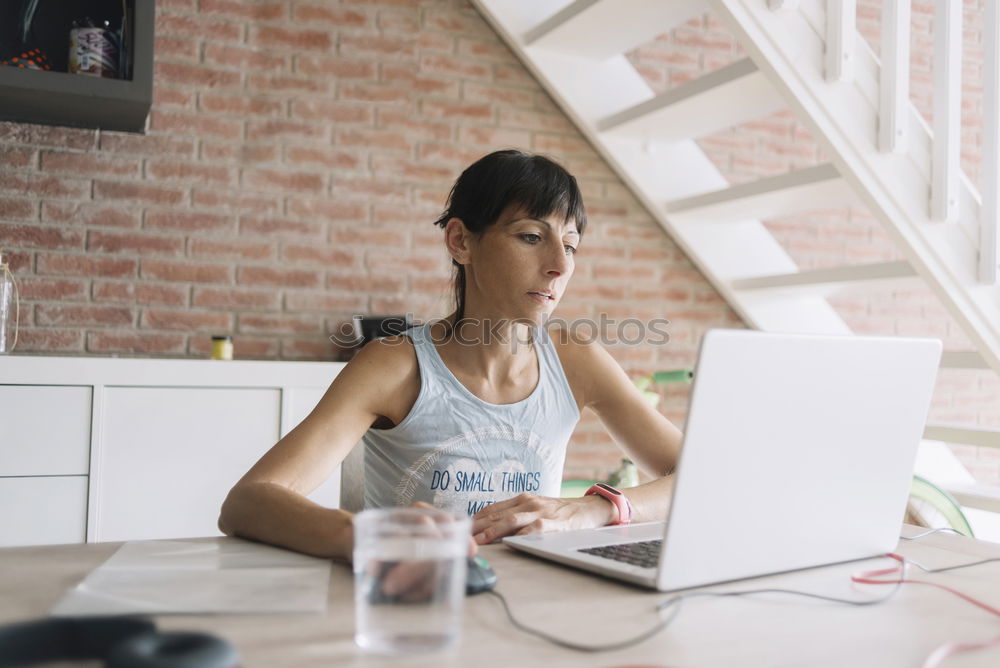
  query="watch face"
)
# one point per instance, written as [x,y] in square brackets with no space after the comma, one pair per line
[608,488]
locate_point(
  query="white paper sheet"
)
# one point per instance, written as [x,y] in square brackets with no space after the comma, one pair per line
[220,576]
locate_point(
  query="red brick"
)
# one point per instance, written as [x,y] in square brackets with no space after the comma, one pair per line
[160,146]
[239,152]
[325,302]
[85,265]
[188,172]
[335,67]
[48,340]
[196,125]
[257,83]
[197,27]
[84,316]
[376,139]
[37,236]
[386,165]
[279,227]
[456,110]
[164,96]
[327,157]
[165,270]
[493,138]
[44,186]
[285,278]
[378,93]
[17,209]
[401,120]
[533,120]
[140,293]
[232,298]
[134,242]
[135,342]
[186,320]
[177,48]
[296,39]
[282,129]
[435,42]
[455,67]
[137,192]
[486,49]
[279,324]
[186,221]
[32,288]
[89,215]
[324,209]
[364,284]
[353,46]
[449,20]
[449,154]
[13,157]
[241,106]
[335,16]
[250,10]
[270,179]
[385,263]
[196,76]
[231,250]
[333,112]
[254,60]
[318,255]
[234,201]
[367,189]
[46,135]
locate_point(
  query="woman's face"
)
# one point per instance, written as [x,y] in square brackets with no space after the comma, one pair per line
[519,268]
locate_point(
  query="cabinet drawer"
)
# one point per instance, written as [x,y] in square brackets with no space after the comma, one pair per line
[46,430]
[43,511]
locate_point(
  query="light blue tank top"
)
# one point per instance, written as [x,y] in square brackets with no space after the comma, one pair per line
[458,452]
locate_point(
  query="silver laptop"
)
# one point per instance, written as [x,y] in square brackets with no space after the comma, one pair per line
[798,452]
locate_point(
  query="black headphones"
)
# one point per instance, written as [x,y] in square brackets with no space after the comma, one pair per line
[120,641]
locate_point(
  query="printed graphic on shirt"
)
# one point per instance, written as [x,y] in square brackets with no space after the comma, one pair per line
[473,470]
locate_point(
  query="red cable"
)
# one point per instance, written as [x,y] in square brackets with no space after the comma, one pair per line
[948,649]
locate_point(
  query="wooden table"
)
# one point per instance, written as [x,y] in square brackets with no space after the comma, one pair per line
[763,630]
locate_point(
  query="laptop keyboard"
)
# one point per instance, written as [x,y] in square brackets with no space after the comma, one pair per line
[644,553]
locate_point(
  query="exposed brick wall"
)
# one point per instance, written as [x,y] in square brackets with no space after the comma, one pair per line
[296,156]
[298,151]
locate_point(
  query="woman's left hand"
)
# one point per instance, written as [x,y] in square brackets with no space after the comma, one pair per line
[528,513]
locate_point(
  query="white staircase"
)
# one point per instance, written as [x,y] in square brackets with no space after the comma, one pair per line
[824,71]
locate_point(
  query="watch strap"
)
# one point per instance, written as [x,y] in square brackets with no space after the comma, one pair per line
[619,500]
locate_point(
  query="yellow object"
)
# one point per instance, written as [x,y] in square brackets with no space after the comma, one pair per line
[222,347]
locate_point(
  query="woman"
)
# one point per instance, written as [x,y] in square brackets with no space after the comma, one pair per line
[473,412]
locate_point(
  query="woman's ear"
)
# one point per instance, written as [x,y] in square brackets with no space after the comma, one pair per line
[458,239]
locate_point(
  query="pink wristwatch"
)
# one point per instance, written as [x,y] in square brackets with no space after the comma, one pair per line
[620,501]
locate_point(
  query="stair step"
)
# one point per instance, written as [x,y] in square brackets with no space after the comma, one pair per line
[963,359]
[813,188]
[852,273]
[989,438]
[729,96]
[599,29]
[976,496]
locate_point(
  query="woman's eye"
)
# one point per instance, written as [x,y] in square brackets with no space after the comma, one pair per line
[570,250]
[531,238]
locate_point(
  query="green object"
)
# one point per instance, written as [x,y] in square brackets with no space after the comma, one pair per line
[674,376]
[929,502]
[626,475]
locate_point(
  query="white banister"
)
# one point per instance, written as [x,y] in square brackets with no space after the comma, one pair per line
[783,4]
[989,244]
[894,85]
[841,17]
[946,169]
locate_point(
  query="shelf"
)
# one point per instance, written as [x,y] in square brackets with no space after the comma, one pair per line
[74,100]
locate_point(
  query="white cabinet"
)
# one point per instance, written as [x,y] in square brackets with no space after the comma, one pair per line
[123,449]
